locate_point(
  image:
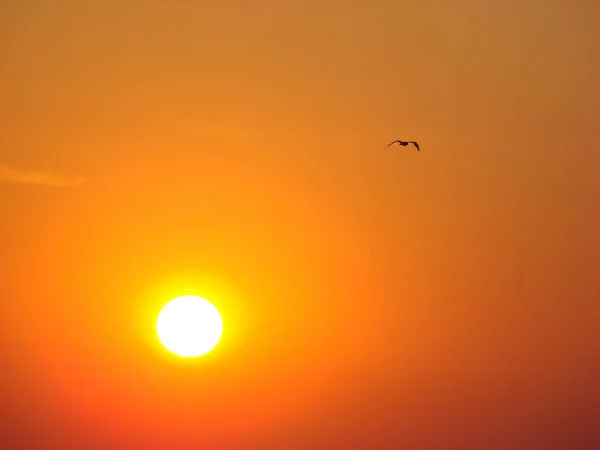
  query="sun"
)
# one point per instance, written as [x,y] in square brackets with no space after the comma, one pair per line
[189,326]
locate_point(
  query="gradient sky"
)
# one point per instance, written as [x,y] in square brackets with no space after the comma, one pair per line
[373,298]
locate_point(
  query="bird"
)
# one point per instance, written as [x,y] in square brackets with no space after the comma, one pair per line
[405,143]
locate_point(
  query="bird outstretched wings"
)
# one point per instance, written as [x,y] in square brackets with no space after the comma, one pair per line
[404,143]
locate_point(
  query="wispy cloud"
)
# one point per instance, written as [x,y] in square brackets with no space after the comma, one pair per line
[11,175]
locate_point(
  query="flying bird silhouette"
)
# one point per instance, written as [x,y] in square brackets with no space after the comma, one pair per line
[405,143]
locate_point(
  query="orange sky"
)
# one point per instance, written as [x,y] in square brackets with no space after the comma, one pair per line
[372,298]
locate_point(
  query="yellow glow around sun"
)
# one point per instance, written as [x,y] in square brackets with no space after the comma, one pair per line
[189,326]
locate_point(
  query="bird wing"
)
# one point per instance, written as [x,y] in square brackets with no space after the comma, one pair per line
[393,142]
[415,144]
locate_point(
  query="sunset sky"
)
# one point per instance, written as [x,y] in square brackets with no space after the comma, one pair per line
[372,297]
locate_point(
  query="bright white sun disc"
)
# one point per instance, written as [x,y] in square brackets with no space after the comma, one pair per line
[189,326]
